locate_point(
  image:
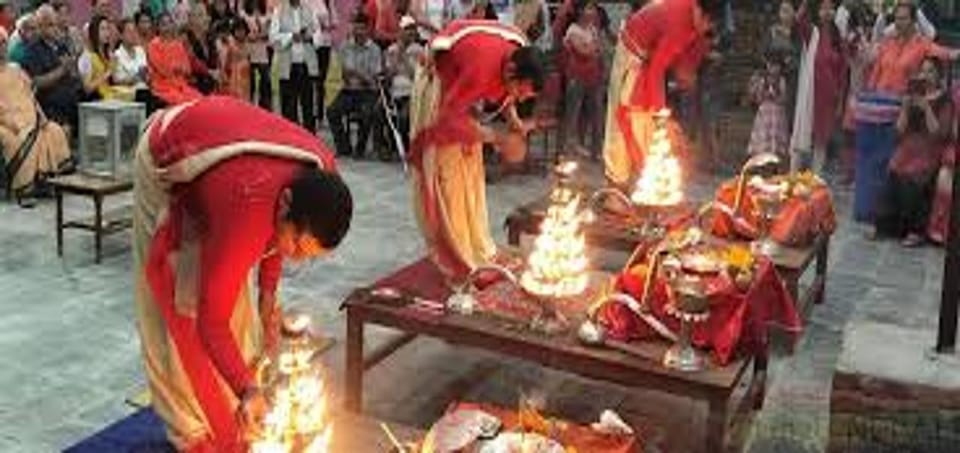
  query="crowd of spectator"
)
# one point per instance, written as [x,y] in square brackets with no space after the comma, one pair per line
[859,81]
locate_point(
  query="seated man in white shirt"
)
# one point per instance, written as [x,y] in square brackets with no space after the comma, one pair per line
[130,62]
[401,62]
[361,65]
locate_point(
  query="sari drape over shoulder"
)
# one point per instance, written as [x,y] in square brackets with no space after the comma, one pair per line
[207,178]
[464,68]
[31,144]
[661,37]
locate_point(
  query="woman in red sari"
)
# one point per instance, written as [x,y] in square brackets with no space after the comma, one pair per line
[925,129]
[660,37]
[222,188]
[470,63]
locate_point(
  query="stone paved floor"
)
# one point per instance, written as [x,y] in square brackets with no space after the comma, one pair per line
[70,349]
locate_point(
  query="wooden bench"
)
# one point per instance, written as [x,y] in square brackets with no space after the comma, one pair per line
[100,223]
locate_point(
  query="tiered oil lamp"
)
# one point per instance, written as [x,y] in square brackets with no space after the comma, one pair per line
[297,420]
[556,267]
[659,185]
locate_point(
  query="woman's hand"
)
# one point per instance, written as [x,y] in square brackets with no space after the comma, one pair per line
[270,318]
[251,412]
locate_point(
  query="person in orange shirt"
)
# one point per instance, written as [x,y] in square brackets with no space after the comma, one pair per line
[897,58]
[169,66]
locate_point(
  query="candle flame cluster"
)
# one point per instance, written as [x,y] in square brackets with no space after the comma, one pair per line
[557,265]
[660,182]
[297,420]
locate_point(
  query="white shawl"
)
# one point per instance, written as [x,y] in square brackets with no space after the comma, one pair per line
[802,138]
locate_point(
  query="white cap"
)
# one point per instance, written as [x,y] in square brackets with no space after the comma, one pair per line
[405,21]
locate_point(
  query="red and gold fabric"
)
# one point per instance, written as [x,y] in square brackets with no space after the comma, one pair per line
[798,222]
[739,320]
[464,68]
[660,38]
[207,178]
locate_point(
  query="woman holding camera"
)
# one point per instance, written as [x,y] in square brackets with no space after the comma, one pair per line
[925,129]
[898,57]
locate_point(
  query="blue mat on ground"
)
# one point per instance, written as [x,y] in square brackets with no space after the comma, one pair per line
[141,432]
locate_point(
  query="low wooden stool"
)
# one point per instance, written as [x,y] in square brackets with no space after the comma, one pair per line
[97,188]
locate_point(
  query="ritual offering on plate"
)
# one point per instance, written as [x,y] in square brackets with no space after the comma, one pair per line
[656,201]
[789,210]
[481,428]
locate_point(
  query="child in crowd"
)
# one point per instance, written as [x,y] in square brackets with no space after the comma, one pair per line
[583,64]
[235,60]
[768,90]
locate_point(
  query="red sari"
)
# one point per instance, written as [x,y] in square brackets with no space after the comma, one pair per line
[661,37]
[465,69]
[209,174]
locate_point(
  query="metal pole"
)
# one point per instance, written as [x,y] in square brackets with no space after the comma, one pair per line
[950,292]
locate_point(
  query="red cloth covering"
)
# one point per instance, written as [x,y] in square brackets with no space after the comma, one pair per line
[573,436]
[797,224]
[738,319]
[671,36]
[230,211]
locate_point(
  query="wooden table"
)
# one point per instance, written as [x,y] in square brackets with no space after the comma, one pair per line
[791,262]
[102,223]
[715,385]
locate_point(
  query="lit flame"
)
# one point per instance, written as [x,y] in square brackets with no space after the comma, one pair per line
[557,266]
[660,182]
[297,419]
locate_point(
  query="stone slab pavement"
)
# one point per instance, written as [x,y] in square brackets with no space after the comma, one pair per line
[71,355]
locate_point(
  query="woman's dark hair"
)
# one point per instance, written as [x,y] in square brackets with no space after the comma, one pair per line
[122,25]
[93,35]
[490,13]
[909,5]
[321,205]
[238,24]
[860,16]
[139,15]
[528,65]
[713,8]
[605,21]
[255,6]
[774,56]
[916,118]
[361,18]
